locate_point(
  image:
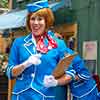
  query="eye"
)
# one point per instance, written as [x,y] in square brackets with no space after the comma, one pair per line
[33,18]
[40,18]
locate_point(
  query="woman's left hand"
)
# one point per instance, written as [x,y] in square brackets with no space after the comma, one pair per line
[50,81]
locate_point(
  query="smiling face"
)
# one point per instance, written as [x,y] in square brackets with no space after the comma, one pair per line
[37,25]
[39,19]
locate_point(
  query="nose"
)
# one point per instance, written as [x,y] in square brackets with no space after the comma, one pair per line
[35,21]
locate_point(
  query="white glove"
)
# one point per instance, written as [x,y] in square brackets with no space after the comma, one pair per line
[34,59]
[50,81]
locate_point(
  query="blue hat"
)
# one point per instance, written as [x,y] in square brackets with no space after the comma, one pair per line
[37,6]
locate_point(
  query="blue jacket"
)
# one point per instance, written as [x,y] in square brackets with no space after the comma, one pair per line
[33,76]
[85,87]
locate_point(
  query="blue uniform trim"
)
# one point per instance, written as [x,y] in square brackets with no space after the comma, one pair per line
[9,72]
[85,93]
[85,77]
[71,73]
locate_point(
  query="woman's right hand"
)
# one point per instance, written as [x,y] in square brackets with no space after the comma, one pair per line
[32,60]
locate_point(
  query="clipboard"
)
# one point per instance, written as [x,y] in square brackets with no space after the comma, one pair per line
[63,65]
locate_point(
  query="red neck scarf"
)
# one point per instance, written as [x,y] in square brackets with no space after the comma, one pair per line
[41,47]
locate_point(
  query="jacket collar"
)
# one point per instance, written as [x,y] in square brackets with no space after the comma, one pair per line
[30,44]
[28,38]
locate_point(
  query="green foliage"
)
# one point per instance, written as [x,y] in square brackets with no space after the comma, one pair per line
[3,63]
[4,3]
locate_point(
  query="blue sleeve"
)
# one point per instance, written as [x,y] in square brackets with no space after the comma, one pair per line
[13,59]
[80,68]
[77,66]
[70,71]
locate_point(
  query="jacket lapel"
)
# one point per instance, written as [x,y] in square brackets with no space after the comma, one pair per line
[30,44]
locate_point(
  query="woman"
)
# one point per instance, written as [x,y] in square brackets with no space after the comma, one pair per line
[35,56]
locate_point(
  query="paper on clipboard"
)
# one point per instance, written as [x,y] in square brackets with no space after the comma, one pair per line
[62,65]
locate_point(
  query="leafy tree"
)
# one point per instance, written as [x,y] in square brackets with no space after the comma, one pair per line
[4,3]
